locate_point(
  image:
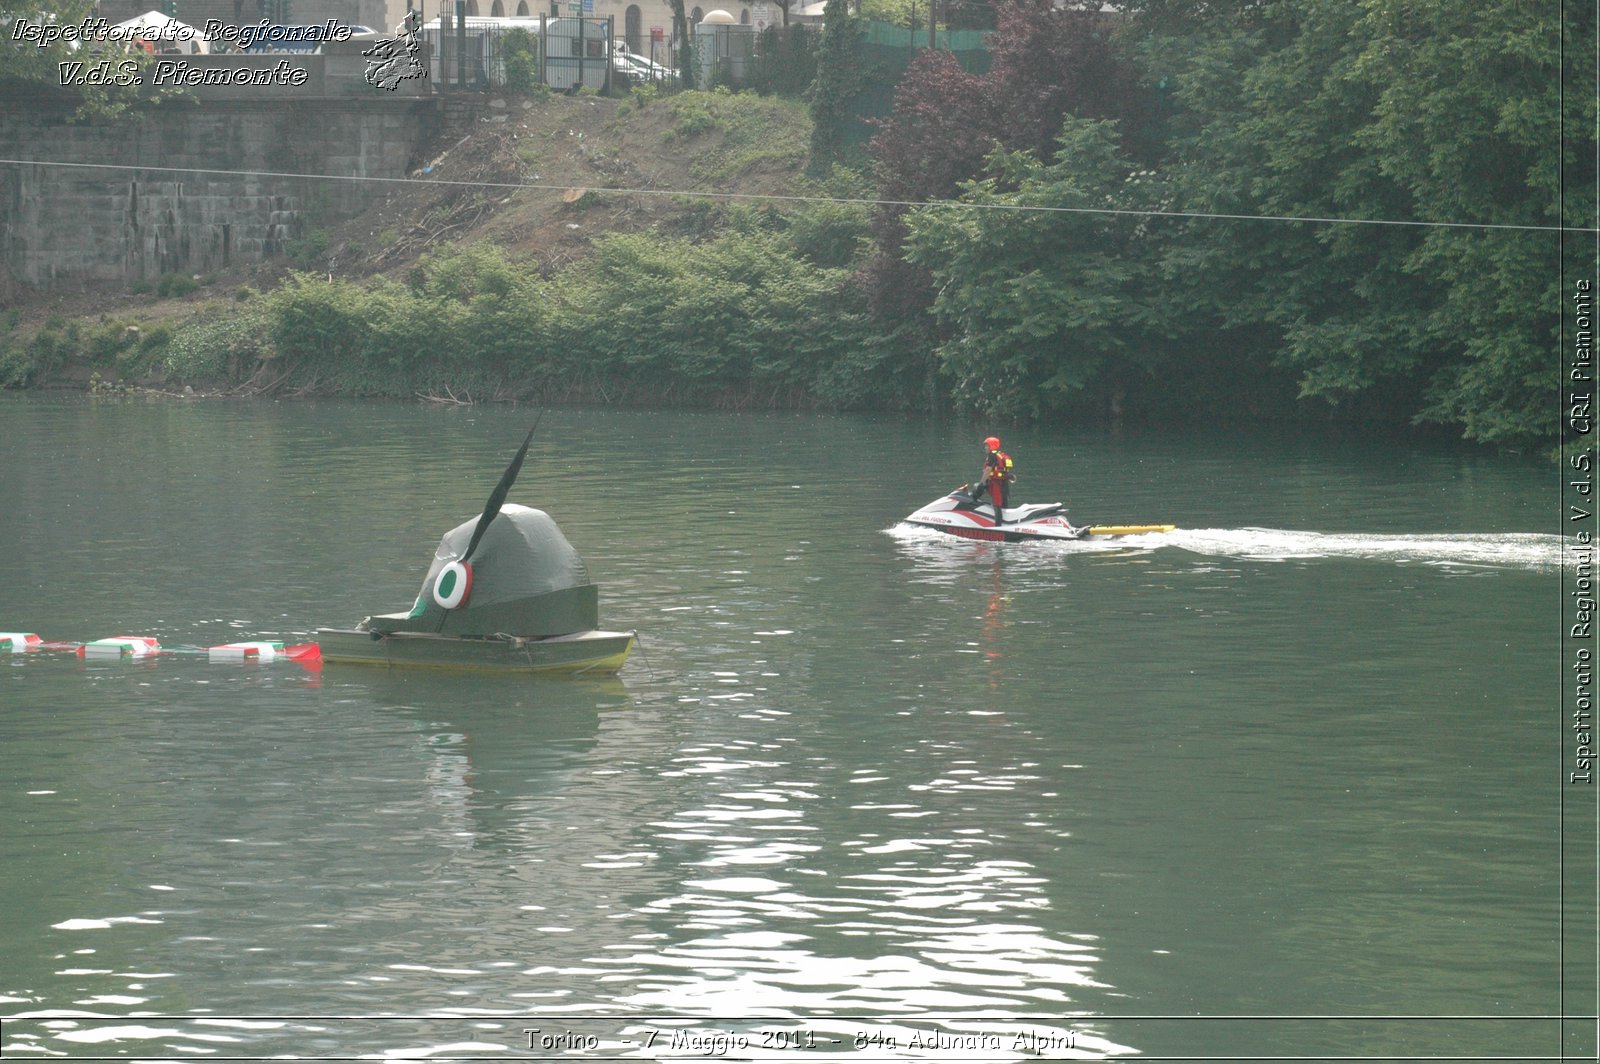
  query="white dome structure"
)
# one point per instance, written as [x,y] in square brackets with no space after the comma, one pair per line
[724,49]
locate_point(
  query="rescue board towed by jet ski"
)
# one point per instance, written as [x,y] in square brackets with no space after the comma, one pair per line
[960,515]
[506,591]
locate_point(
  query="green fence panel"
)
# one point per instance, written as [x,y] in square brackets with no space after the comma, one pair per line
[888,34]
[885,52]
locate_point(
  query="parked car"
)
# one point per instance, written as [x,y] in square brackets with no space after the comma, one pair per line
[639,68]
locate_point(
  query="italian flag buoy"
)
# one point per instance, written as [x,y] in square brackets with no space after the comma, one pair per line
[120,646]
[256,651]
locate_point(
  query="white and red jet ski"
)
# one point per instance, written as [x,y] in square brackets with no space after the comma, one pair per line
[959,515]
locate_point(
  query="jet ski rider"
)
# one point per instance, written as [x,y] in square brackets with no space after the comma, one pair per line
[997,477]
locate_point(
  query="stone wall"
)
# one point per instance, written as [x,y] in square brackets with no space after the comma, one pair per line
[190,186]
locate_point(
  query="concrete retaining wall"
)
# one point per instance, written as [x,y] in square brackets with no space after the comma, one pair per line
[191,187]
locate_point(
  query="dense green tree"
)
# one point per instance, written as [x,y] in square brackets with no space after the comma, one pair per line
[1049,61]
[1266,130]
[41,35]
[519,51]
[966,14]
[1394,111]
[838,82]
[941,131]
[742,318]
[1468,123]
[685,43]
[1044,297]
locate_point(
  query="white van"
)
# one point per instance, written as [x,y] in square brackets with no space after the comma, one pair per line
[483,61]
[577,51]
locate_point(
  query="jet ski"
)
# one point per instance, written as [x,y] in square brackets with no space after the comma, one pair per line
[960,514]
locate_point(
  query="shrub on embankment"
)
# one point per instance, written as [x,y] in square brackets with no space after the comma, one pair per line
[214,347]
[761,314]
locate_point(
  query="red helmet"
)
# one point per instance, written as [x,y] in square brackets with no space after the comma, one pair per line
[993,443]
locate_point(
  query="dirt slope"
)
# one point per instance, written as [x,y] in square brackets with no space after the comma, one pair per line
[542,176]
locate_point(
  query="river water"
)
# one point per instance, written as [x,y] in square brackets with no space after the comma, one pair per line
[1283,782]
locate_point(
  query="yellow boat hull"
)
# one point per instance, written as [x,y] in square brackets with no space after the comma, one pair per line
[1128,530]
[591,652]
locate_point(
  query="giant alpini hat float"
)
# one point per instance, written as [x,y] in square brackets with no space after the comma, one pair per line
[505,590]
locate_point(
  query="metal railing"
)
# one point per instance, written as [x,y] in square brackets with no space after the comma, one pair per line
[572,52]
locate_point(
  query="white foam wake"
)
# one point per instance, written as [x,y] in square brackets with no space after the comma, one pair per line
[1514,550]
[1518,550]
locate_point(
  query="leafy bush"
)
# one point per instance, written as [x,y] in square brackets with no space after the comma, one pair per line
[520,55]
[25,362]
[208,346]
[831,233]
[175,284]
[155,338]
[16,366]
[106,342]
[691,116]
[739,319]
[758,311]
[316,320]
[308,251]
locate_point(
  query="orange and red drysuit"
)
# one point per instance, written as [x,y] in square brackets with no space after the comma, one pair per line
[997,477]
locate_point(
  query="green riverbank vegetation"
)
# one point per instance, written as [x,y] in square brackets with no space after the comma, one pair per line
[1240,210]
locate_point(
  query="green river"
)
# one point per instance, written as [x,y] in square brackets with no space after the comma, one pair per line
[1288,782]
